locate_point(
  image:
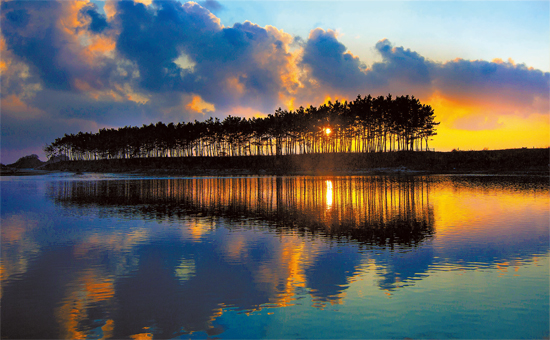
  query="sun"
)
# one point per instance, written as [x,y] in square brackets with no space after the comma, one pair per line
[328,131]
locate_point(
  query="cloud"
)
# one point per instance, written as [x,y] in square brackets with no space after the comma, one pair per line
[476,93]
[253,58]
[65,62]
[489,81]
[12,105]
[211,5]
[476,123]
[36,41]
[98,22]
[198,105]
[51,38]
[403,64]
[330,63]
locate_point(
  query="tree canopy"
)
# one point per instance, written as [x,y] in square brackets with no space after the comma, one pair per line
[364,125]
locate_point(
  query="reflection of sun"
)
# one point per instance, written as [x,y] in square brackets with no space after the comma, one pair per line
[328,131]
[329,194]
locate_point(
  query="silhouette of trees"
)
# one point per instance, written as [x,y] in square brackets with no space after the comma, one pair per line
[364,125]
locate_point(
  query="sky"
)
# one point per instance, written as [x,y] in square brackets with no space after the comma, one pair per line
[70,66]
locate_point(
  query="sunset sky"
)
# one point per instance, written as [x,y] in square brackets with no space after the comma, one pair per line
[70,66]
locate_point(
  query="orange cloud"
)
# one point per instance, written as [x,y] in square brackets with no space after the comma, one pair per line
[3,64]
[145,2]
[235,86]
[110,8]
[88,46]
[70,19]
[102,45]
[13,106]
[315,33]
[289,71]
[197,104]
[107,94]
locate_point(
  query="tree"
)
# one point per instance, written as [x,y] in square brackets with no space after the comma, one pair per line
[366,124]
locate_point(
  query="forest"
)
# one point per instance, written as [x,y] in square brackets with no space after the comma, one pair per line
[365,125]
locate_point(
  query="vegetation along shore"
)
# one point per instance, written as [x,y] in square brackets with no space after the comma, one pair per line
[364,125]
[365,136]
[511,161]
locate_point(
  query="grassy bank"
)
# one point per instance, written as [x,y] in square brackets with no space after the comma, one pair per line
[493,161]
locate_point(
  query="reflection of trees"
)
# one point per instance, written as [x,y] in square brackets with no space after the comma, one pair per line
[375,210]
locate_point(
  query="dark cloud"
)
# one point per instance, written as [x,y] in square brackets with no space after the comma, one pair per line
[35,39]
[154,37]
[150,40]
[398,63]
[106,112]
[403,70]
[167,53]
[211,5]
[237,52]
[480,79]
[33,33]
[329,62]
[98,22]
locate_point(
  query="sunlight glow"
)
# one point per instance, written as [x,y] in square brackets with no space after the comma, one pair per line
[328,131]
[329,194]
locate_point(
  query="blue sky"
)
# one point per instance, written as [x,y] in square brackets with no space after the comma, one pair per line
[438,30]
[70,66]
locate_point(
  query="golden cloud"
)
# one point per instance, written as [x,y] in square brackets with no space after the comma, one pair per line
[197,104]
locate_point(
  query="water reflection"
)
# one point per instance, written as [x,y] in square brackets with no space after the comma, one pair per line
[329,194]
[381,211]
[164,258]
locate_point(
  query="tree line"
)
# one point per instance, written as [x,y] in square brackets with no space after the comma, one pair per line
[364,125]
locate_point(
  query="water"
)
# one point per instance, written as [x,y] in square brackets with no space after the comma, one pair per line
[118,256]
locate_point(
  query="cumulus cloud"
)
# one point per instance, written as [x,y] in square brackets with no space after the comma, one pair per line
[331,63]
[67,66]
[475,93]
[212,5]
[482,80]
[98,21]
[400,63]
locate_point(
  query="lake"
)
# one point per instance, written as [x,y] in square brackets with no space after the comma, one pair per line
[121,256]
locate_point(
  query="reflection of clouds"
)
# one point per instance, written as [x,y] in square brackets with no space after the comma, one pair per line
[401,269]
[119,247]
[18,245]
[394,210]
[98,258]
[142,336]
[284,272]
[181,273]
[197,228]
[185,270]
[331,272]
[497,222]
[91,290]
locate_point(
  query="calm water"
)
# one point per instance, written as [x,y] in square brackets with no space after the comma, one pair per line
[99,256]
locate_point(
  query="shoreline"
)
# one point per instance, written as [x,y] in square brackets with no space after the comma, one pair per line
[229,173]
[526,162]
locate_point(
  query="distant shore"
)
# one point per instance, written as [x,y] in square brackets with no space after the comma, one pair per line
[511,161]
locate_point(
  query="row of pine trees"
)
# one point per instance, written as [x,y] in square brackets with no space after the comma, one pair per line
[366,124]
